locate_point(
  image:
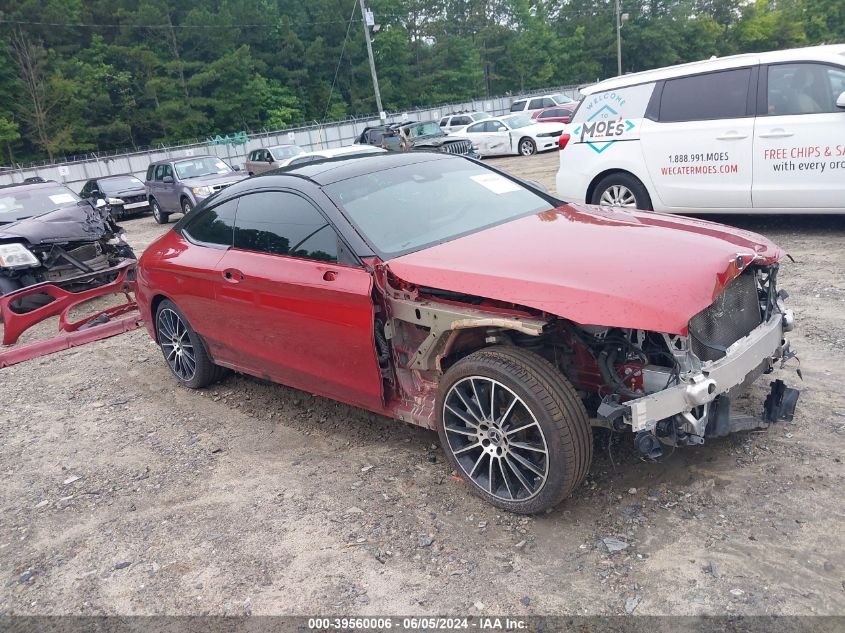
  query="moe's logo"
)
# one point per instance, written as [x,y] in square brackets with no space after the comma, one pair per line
[605,123]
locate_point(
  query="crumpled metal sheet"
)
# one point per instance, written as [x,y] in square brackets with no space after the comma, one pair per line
[72,223]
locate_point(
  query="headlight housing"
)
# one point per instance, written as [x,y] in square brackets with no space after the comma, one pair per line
[202,191]
[17,256]
[114,201]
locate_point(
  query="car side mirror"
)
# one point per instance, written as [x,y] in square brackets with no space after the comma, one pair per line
[269,159]
[502,128]
[167,179]
[840,101]
[236,168]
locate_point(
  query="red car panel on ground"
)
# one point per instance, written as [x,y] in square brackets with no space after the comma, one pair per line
[594,266]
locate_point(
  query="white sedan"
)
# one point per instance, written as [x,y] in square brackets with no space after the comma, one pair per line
[512,134]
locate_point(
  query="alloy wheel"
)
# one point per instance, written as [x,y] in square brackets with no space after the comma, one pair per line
[526,147]
[495,438]
[176,344]
[186,207]
[156,212]
[618,196]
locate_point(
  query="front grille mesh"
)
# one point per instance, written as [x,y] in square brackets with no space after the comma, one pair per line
[733,315]
[458,147]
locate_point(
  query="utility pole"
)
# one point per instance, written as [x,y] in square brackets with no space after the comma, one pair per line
[620,20]
[368,22]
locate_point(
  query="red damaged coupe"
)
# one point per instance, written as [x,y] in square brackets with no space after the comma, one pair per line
[439,291]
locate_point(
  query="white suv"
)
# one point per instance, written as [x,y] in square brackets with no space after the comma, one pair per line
[459,120]
[749,133]
[532,104]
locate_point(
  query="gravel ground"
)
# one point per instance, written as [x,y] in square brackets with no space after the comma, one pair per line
[125,494]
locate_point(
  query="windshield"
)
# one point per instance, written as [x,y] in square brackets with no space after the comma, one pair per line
[424,129]
[205,166]
[286,151]
[17,203]
[517,121]
[120,183]
[561,99]
[408,208]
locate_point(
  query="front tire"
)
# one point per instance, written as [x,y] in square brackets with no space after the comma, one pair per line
[621,190]
[158,215]
[183,349]
[187,206]
[527,147]
[513,427]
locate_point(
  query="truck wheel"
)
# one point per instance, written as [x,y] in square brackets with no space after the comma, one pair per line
[621,190]
[527,146]
[160,216]
[513,427]
[183,348]
[187,207]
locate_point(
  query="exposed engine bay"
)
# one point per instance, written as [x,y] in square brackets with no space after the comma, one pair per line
[65,247]
[668,389]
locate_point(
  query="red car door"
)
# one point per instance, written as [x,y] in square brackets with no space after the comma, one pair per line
[292,313]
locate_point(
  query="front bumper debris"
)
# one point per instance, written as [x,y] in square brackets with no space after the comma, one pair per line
[763,346]
[102,324]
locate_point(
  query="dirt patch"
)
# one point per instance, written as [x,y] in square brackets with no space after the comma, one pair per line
[123,493]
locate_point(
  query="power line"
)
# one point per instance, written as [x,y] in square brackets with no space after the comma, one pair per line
[340,59]
[165,26]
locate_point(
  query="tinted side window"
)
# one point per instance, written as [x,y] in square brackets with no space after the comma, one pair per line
[804,88]
[168,170]
[548,103]
[478,127]
[517,106]
[536,103]
[150,172]
[284,224]
[86,190]
[461,120]
[215,225]
[159,172]
[444,121]
[720,95]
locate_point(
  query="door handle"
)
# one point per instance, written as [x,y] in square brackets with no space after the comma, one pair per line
[732,136]
[232,275]
[330,275]
[777,133]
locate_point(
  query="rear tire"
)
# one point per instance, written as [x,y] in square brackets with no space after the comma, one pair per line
[160,216]
[621,189]
[183,349]
[514,428]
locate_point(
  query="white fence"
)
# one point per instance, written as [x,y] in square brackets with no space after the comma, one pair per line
[75,173]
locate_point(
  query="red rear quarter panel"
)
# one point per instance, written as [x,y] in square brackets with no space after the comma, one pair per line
[171,268]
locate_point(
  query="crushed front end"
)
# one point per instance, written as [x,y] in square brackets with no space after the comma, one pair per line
[679,389]
[66,247]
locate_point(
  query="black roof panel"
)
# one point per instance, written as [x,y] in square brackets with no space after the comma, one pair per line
[325,172]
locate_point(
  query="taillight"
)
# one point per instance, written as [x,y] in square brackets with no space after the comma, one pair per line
[562,140]
[565,119]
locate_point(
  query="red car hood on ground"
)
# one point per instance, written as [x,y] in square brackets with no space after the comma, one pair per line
[594,266]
